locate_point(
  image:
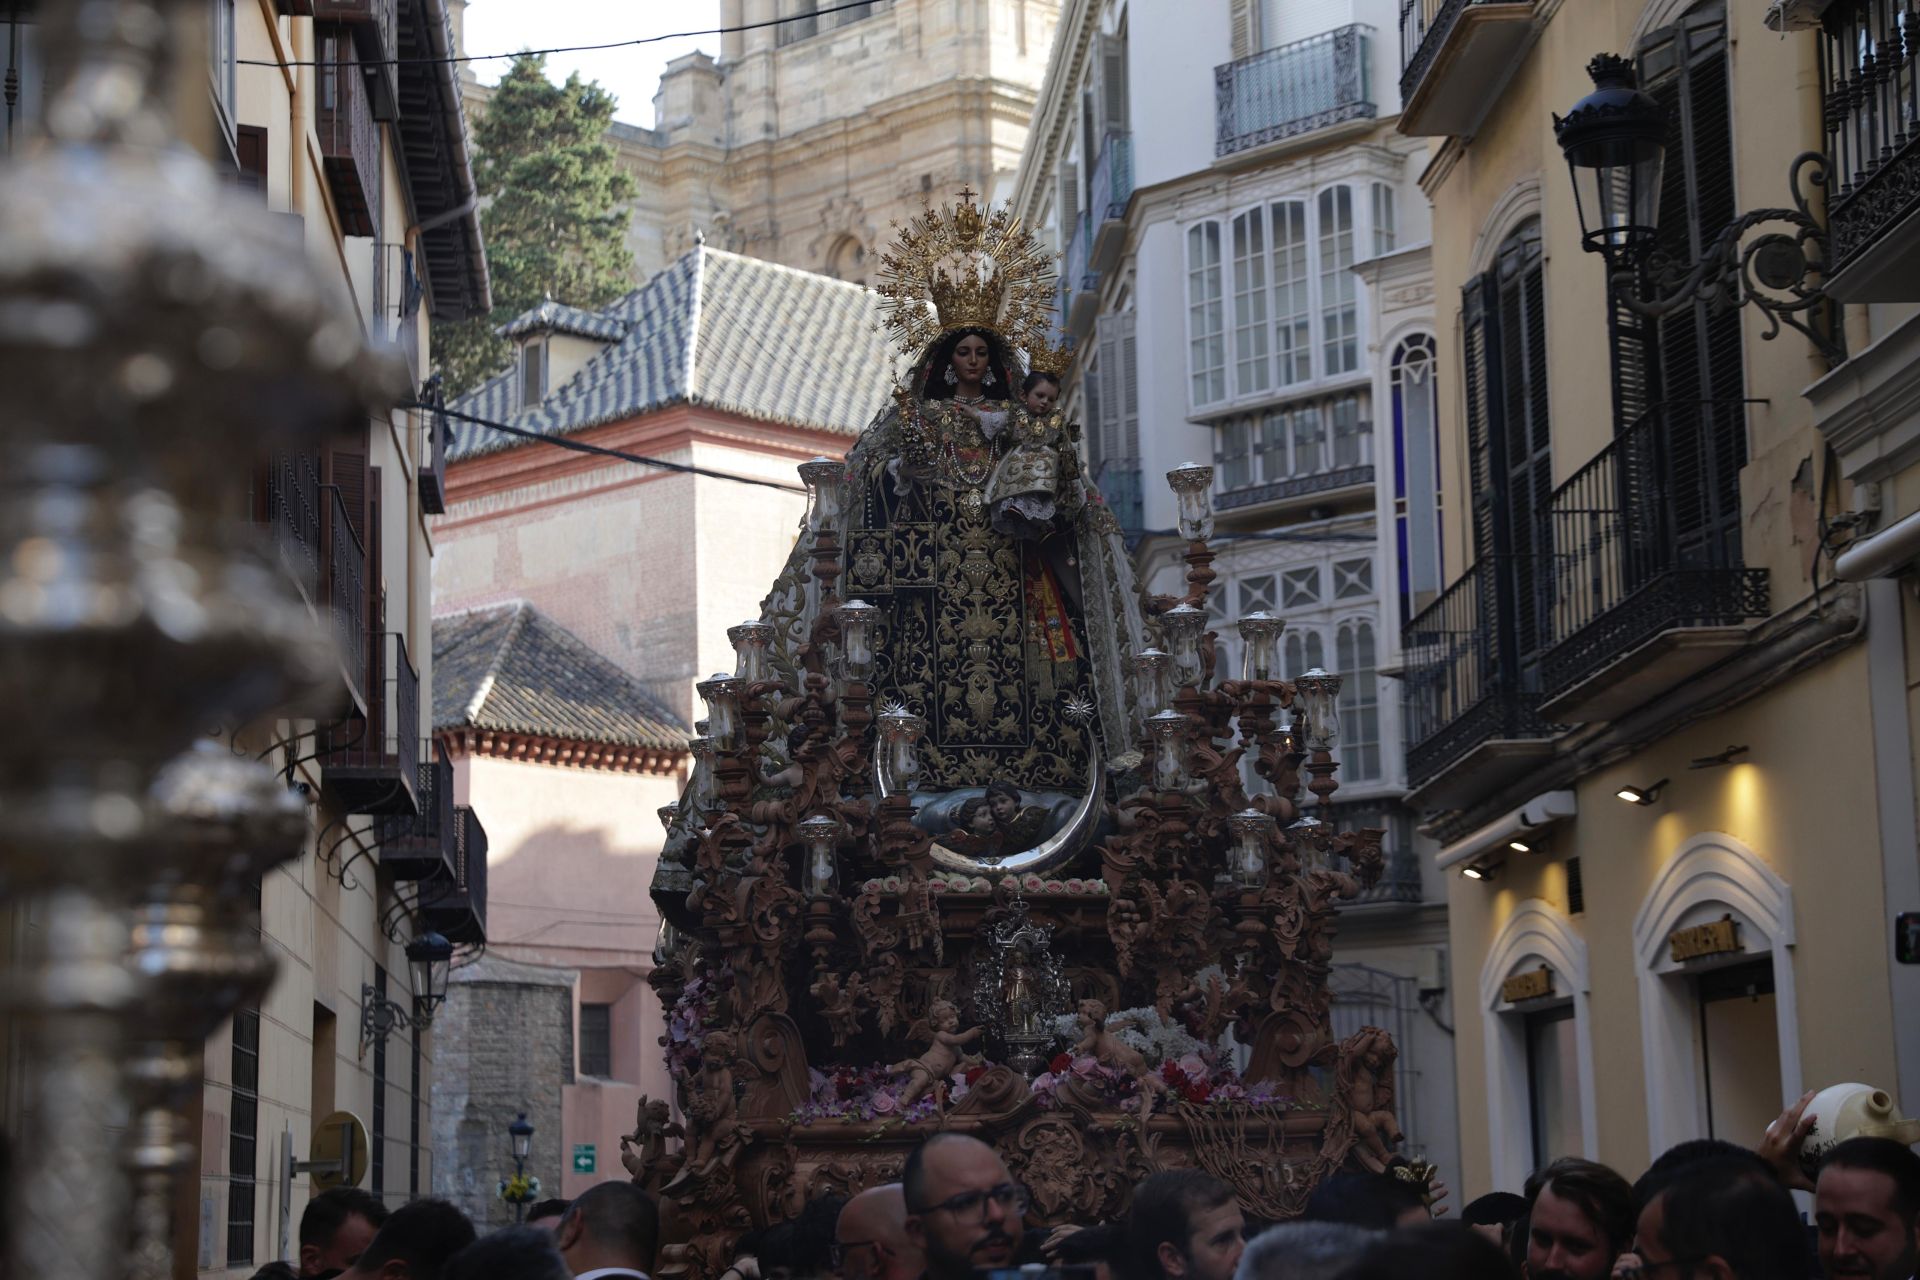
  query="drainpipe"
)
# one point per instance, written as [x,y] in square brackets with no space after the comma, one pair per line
[1893,785]
[1885,553]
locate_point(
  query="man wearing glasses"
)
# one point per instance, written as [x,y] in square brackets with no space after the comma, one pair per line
[1722,1219]
[964,1210]
[870,1239]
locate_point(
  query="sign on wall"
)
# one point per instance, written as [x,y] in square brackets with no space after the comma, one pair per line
[1713,939]
[584,1157]
[1532,985]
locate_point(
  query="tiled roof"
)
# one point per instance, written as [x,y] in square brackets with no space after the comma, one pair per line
[718,330]
[512,669]
[558,317]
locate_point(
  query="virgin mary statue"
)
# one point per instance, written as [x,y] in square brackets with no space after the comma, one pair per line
[1008,611]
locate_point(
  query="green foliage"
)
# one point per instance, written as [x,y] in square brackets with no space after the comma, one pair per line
[555,220]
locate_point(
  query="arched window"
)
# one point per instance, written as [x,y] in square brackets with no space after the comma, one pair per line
[1353,655]
[1305,651]
[1416,474]
[1206,318]
[847,260]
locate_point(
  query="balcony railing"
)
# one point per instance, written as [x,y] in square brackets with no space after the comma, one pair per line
[1646,539]
[347,595]
[421,846]
[1080,283]
[1455,55]
[371,23]
[1870,81]
[457,907]
[1294,89]
[293,513]
[349,136]
[1113,178]
[1253,495]
[372,762]
[1466,681]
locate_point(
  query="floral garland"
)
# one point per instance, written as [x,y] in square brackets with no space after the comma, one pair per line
[693,1016]
[1192,1079]
[521,1188]
[854,1095]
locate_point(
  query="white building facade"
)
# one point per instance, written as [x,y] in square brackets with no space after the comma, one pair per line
[1244,275]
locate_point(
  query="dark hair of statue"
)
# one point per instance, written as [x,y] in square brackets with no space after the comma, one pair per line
[933,371]
[1037,377]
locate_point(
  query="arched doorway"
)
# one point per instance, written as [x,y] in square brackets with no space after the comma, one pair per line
[847,260]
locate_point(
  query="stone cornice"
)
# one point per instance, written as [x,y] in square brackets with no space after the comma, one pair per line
[532,748]
[1869,408]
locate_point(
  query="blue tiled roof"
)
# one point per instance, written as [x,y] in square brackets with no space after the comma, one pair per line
[718,330]
[557,317]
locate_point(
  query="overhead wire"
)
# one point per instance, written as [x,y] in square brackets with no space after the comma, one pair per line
[564,48]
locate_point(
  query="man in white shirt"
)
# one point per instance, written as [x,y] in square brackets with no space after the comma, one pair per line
[609,1231]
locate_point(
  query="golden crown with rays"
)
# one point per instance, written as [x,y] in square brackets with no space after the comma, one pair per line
[961,266]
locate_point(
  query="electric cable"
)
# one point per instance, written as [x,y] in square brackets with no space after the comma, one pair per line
[565,48]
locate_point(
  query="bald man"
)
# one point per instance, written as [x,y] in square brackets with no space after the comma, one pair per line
[870,1240]
[964,1209]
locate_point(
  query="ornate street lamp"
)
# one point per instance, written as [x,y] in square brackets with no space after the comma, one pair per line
[521,1190]
[1615,140]
[430,957]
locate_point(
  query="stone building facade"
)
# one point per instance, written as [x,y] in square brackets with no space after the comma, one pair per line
[506,1036]
[801,142]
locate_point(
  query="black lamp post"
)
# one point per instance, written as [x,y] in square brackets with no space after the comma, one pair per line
[429,956]
[1614,140]
[521,1134]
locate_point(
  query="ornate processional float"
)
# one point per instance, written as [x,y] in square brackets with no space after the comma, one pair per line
[978,839]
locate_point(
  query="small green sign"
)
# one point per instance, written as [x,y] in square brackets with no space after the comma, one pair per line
[583,1157]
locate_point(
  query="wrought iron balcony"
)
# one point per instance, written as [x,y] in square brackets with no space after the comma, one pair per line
[457,906]
[1870,83]
[292,512]
[422,846]
[347,596]
[349,135]
[1648,587]
[1296,88]
[1471,709]
[372,762]
[1455,57]
[1319,482]
[1080,283]
[372,24]
[1111,191]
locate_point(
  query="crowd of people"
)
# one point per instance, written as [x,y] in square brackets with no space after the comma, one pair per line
[1705,1210]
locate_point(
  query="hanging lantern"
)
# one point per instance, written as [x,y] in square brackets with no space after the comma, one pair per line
[1614,140]
[1182,626]
[1318,689]
[1156,673]
[1169,730]
[856,638]
[1192,485]
[818,833]
[1260,636]
[750,641]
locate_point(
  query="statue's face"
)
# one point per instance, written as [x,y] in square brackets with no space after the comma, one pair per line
[970,358]
[1005,807]
[1041,398]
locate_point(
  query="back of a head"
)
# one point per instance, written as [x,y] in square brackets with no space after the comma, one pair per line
[423,1235]
[1433,1251]
[1675,1161]
[555,1209]
[1726,1208]
[276,1270]
[1371,1200]
[327,1212]
[813,1234]
[1881,1155]
[1595,1190]
[1304,1251]
[1090,1245]
[1163,1210]
[1495,1209]
[620,1219]
[511,1253]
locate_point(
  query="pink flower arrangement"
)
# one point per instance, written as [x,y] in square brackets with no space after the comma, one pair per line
[855,1094]
[1190,1078]
[692,1016]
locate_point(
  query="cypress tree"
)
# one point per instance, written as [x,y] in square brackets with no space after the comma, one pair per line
[555,218]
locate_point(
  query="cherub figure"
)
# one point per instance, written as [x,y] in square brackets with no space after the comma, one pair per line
[1098,1041]
[1364,1079]
[841,1006]
[653,1124]
[939,1059]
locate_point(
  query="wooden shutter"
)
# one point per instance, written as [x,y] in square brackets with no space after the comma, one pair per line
[347,471]
[250,149]
[1522,433]
[1129,435]
[1108,433]
[1697,351]
[1113,84]
[1480,377]
[1246,40]
[377,698]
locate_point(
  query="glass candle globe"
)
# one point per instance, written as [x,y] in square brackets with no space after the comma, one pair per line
[1319,690]
[1260,636]
[818,833]
[1192,483]
[1251,830]
[750,641]
[721,693]
[856,638]
[1182,626]
[1169,730]
[1156,676]
[824,478]
[900,731]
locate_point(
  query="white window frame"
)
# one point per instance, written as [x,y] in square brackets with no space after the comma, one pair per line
[1195,234]
[1349,704]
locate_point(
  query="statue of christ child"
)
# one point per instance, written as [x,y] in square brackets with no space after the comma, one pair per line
[1023,494]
